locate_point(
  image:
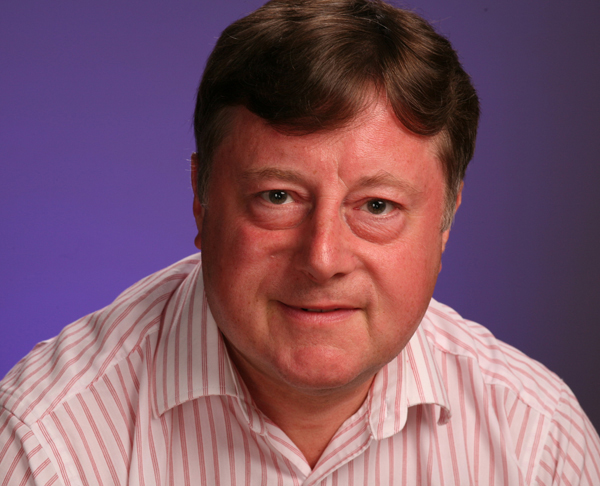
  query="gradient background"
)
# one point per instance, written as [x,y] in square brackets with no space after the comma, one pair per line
[95,112]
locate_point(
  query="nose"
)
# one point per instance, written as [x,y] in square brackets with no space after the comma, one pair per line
[325,246]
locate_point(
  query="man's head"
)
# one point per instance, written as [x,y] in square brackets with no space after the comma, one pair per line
[333,136]
[312,65]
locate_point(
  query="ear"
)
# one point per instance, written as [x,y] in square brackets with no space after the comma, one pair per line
[446,233]
[197,206]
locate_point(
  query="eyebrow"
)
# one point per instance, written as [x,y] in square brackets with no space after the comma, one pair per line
[382,178]
[253,175]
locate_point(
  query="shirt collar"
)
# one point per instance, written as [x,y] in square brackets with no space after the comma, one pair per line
[191,361]
[412,378]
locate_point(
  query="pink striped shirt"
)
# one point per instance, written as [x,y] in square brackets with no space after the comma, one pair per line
[142,392]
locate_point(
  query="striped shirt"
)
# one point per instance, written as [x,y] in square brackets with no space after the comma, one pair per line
[142,392]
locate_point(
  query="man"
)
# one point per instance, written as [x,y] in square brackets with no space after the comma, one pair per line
[302,345]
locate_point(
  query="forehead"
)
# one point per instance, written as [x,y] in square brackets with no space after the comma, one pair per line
[375,137]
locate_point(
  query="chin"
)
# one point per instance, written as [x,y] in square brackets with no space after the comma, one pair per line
[324,370]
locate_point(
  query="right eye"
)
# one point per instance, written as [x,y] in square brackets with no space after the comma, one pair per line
[277,196]
[278,209]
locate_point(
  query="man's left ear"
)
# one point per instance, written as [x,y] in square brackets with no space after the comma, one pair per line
[197,205]
[446,233]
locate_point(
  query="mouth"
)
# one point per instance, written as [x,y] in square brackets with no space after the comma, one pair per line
[319,314]
[321,311]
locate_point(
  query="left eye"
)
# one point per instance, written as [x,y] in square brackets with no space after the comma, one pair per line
[277,197]
[378,206]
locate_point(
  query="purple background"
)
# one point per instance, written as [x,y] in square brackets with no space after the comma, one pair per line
[95,113]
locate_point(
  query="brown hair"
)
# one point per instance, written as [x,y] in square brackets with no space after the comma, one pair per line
[309,65]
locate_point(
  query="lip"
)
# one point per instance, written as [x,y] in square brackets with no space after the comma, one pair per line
[321,314]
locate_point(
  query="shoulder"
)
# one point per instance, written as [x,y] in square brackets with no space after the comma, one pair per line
[82,353]
[495,362]
[530,406]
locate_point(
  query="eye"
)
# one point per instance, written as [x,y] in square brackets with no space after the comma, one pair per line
[277,209]
[378,206]
[277,197]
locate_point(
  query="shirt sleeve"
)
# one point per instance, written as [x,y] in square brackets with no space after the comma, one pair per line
[23,461]
[571,453]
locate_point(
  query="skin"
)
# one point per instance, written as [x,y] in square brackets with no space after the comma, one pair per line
[346,222]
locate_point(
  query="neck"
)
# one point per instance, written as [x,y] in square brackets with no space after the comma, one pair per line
[310,419]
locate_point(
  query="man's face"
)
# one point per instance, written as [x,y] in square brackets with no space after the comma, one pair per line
[320,252]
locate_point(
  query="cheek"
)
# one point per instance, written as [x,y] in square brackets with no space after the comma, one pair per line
[406,272]
[241,258]
[404,285]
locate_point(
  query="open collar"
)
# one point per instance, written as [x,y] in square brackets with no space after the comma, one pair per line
[190,359]
[412,378]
